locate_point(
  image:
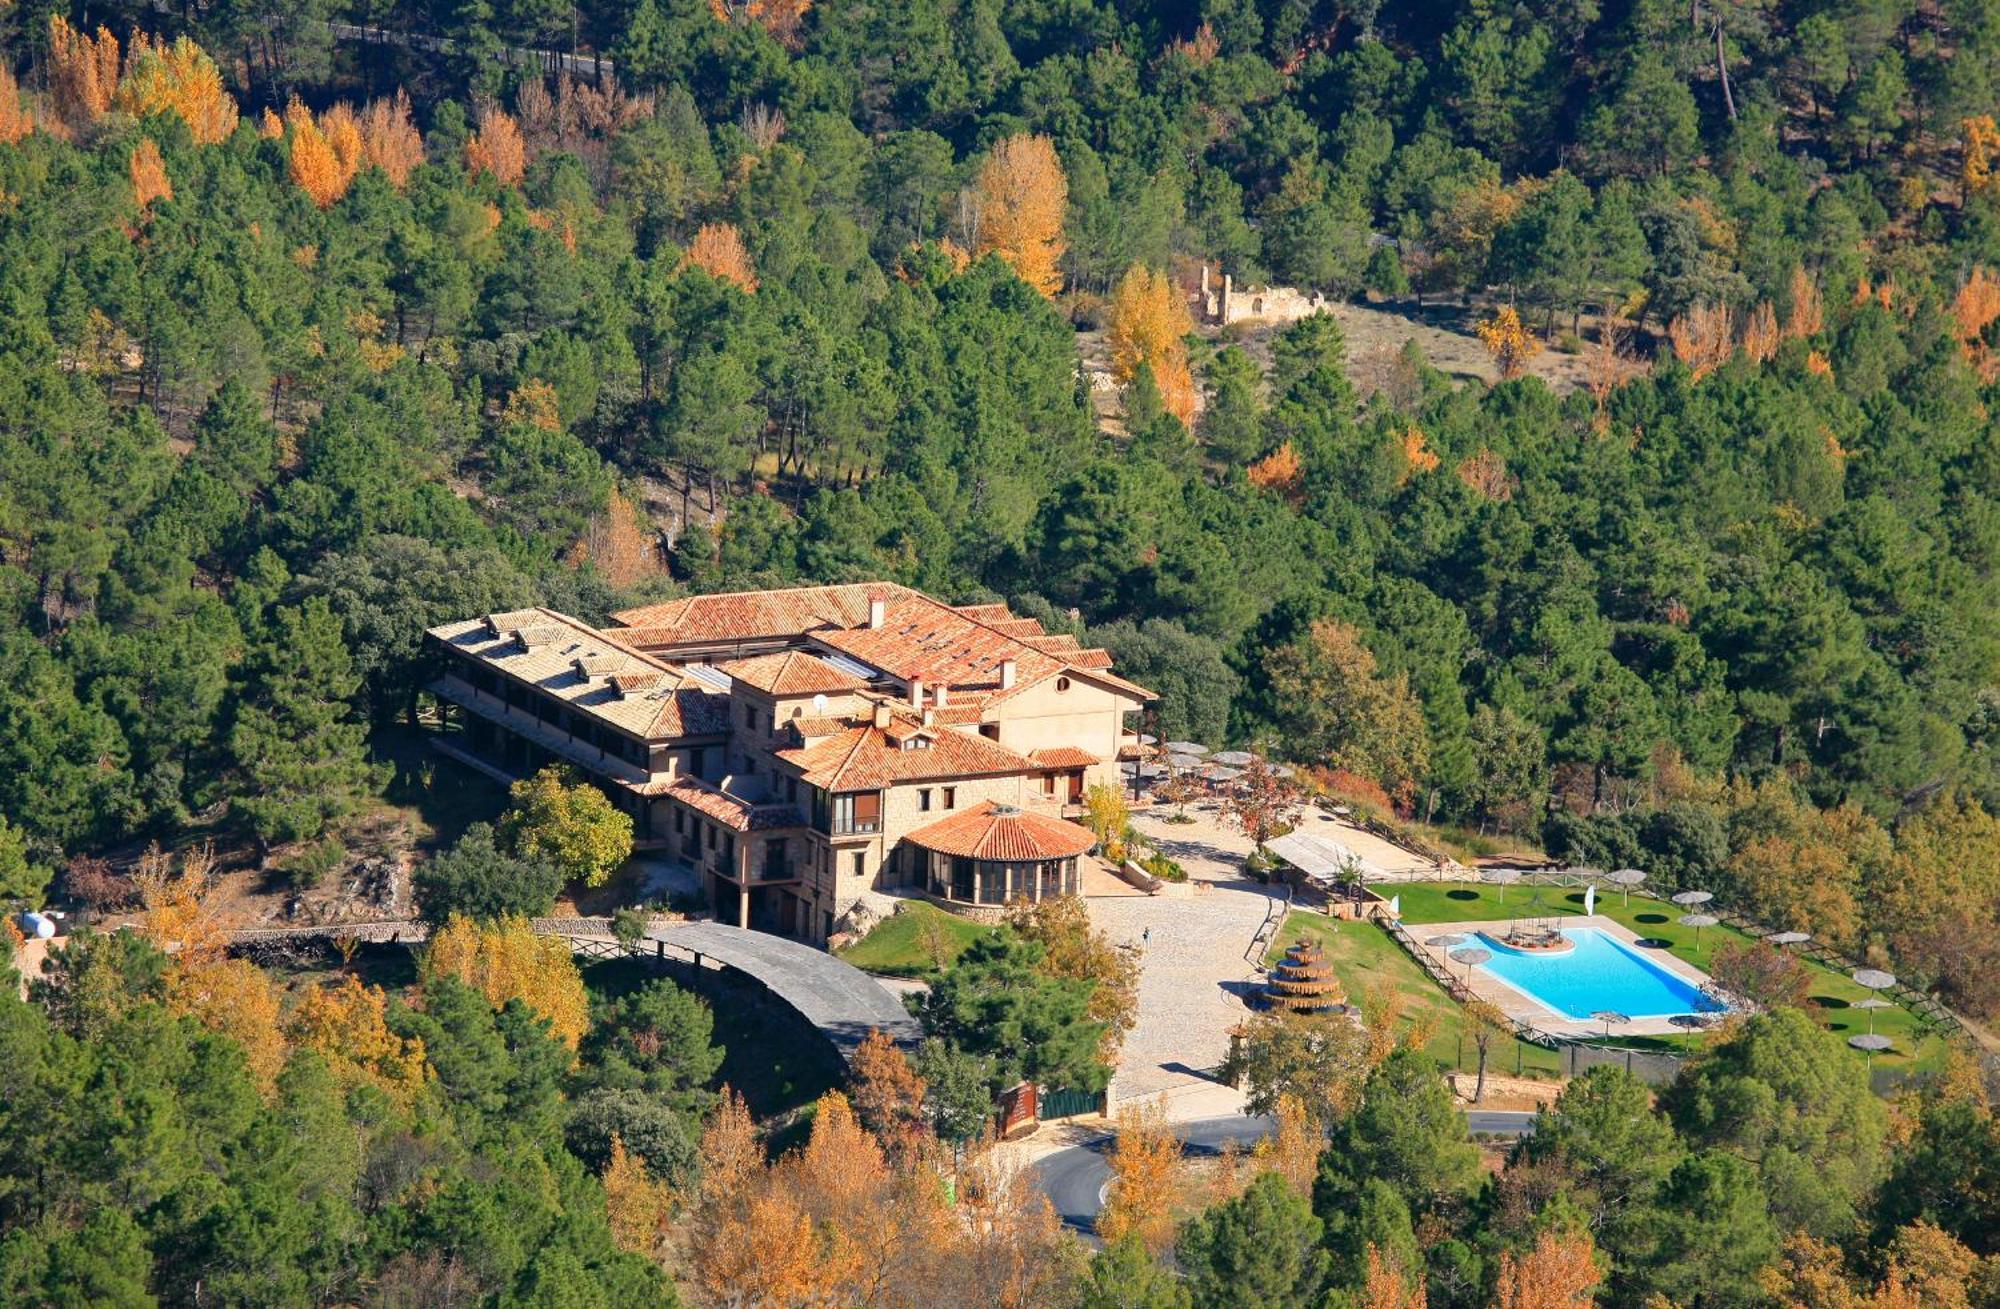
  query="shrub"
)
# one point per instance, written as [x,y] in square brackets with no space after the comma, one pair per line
[314,864]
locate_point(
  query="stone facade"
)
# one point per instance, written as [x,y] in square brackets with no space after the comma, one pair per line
[1222,303]
[791,773]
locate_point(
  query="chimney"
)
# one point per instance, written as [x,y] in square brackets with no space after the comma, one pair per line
[943,695]
[882,714]
[916,693]
[1007,667]
[878,612]
[928,717]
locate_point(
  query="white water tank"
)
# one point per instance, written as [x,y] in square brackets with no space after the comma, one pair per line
[38,927]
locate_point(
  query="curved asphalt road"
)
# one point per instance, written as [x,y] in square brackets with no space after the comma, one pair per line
[1074,1179]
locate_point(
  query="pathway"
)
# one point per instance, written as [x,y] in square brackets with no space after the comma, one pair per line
[1193,969]
[1074,1179]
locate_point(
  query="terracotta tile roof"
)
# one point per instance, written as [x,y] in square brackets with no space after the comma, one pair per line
[863,758]
[1065,756]
[809,727]
[729,810]
[1004,834]
[791,672]
[590,671]
[739,615]
[958,646]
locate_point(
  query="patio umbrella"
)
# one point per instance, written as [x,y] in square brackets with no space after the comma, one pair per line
[1697,922]
[1691,1023]
[1471,955]
[1181,760]
[1689,899]
[1789,938]
[1445,940]
[1500,877]
[1873,978]
[1224,774]
[1234,758]
[1187,747]
[1608,1017]
[1871,1043]
[1147,738]
[1625,879]
[1871,1004]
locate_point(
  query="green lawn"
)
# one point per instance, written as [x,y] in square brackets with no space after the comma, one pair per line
[916,941]
[1832,991]
[1363,956]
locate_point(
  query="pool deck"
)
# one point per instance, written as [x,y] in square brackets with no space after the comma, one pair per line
[1518,1006]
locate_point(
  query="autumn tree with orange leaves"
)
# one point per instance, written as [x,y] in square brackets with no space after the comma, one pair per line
[781,18]
[1560,1272]
[1974,309]
[149,176]
[618,544]
[1702,339]
[1015,209]
[83,72]
[389,140]
[1145,1168]
[1760,333]
[1148,328]
[1280,471]
[15,119]
[1805,317]
[315,165]
[718,250]
[497,147]
[1386,1284]
[347,1025]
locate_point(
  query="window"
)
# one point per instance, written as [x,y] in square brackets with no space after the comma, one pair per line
[924,800]
[991,731]
[951,797]
[711,836]
[791,790]
[857,811]
[860,863]
[1062,684]
[697,761]
[1048,783]
[749,716]
[680,821]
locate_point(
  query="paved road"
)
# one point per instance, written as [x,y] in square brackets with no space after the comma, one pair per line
[1074,1179]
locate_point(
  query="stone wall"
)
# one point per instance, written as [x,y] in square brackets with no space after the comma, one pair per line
[1222,303]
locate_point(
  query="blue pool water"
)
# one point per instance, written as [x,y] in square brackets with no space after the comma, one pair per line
[1600,973]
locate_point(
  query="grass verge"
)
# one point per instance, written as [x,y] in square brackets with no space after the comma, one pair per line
[918,940]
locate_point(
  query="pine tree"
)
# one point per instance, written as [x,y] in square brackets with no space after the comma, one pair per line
[300,757]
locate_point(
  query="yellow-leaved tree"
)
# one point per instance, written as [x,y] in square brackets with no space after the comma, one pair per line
[1510,343]
[638,1204]
[568,823]
[1017,204]
[1149,324]
[504,960]
[347,1026]
[176,78]
[314,165]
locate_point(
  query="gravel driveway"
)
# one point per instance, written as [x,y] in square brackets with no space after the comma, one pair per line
[1192,965]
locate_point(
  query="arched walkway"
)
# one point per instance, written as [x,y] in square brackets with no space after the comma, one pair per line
[839,999]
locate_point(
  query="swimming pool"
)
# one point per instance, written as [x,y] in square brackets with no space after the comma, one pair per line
[1601,973]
